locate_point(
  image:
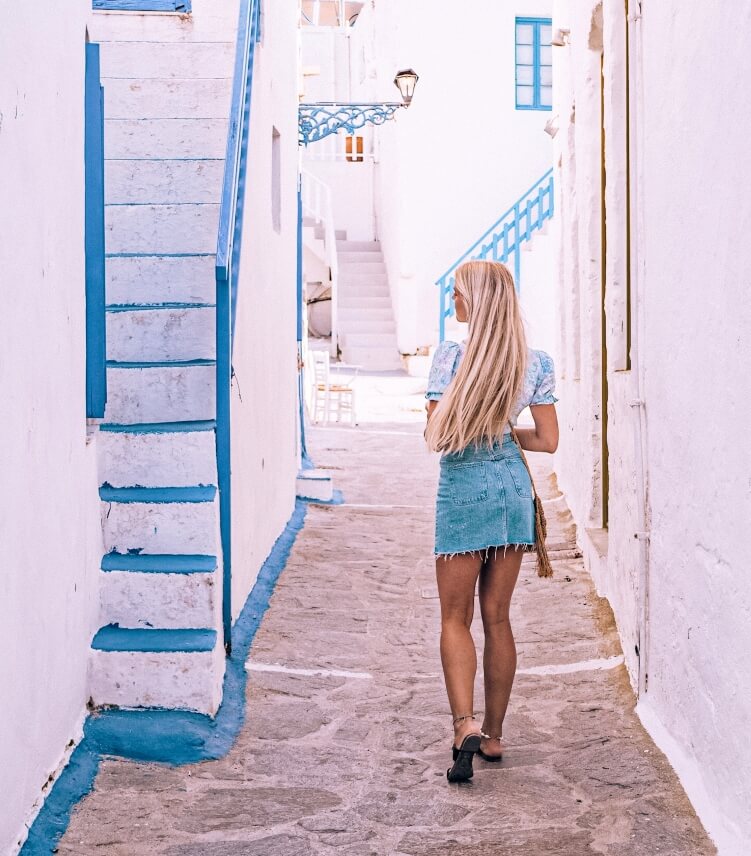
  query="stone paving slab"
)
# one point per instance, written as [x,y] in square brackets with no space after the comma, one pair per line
[354,763]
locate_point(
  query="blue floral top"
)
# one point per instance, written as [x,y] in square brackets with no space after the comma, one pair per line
[537,388]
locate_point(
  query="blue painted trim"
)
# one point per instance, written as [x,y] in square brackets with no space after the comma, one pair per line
[158,495]
[181,6]
[159,364]
[159,255]
[167,736]
[229,240]
[148,307]
[159,427]
[116,638]
[163,160]
[96,333]
[163,204]
[337,499]
[159,563]
[300,309]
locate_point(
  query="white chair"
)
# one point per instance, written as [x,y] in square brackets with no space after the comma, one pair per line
[330,399]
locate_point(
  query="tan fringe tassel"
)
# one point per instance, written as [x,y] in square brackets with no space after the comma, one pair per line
[544,568]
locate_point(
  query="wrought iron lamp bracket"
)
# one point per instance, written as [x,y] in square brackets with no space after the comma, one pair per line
[318,120]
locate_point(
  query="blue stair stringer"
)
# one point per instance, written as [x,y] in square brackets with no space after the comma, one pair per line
[504,238]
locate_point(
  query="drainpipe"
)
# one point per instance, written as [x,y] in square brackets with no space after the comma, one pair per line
[638,404]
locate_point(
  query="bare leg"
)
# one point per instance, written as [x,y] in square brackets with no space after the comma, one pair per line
[457,577]
[497,581]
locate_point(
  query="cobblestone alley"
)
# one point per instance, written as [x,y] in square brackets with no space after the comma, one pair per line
[347,736]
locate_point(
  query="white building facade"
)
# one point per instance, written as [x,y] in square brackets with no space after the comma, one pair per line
[431,182]
[118,537]
[51,535]
[655,313]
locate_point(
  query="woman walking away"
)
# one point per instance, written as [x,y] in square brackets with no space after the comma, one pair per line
[486,511]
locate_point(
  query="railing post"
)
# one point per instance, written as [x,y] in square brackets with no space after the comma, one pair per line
[540,217]
[517,255]
[442,316]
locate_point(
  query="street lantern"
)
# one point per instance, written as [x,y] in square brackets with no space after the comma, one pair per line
[317,120]
[405,81]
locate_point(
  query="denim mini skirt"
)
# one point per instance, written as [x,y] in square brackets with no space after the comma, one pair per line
[484,500]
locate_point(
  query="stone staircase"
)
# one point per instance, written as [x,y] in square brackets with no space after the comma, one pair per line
[367,330]
[166,108]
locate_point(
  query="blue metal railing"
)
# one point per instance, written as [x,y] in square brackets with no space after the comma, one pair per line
[227,273]
[505,237]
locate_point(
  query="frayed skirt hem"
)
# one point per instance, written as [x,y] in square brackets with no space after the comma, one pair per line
[485,552]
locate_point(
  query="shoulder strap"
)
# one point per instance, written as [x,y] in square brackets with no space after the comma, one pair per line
[544,568]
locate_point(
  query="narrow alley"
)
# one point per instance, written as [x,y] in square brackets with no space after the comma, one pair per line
[346,740]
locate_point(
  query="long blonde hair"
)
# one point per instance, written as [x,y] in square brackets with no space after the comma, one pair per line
[477,404]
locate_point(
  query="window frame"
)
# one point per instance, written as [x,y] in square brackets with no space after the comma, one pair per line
[537,24]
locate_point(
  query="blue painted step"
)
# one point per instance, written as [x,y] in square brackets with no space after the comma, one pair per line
[146,307]
[158,427]
[199,493]
[115,638]
[160,364]
[160,563]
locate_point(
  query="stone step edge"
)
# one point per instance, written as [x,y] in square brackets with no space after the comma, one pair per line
[113,638]
[186,427]
[146,307]
[159,563]
[158,495]
[159,364]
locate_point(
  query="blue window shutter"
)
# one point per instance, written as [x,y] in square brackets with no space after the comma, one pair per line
[143,5]
[96,371]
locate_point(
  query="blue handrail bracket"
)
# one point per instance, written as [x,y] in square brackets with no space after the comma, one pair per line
[318,120]
[504,238]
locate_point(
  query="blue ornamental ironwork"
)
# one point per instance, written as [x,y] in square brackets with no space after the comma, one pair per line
[318,120]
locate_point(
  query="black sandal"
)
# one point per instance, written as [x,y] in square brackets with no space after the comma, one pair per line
[461,770]
[494,759]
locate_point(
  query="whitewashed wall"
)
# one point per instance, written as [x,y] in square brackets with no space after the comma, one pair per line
[49,515]
[690,316]
[460,155]
[264,400]
[332,74]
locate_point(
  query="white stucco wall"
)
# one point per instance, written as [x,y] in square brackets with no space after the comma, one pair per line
[460,155]
[264,395]
[49,516]
[690,314]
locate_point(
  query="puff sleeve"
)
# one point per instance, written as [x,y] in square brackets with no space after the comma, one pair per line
[442,370]
[545,387]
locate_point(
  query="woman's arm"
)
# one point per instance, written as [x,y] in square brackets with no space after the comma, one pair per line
[430,406]
[544,436]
